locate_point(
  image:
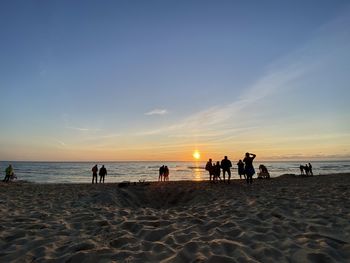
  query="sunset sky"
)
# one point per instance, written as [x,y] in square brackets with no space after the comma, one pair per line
[157,80]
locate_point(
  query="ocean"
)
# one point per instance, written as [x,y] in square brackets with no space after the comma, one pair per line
[80,172]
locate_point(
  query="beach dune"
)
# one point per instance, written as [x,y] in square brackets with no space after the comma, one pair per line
[285,219]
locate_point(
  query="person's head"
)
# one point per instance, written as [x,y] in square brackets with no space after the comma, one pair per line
[217,163]
[209,160]
[240,160]
[247,154]
[103,166]
[225,157]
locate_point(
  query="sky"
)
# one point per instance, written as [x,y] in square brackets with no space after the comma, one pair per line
[157,80]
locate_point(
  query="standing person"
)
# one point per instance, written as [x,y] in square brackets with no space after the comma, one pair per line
[249,168]
[241,172]
[209,168]
[226,165]
[94,173]
[102,173]
[166,173]
[161,173]
[301,170]
[310,169]
[307,171]
[8,173]
[217,171]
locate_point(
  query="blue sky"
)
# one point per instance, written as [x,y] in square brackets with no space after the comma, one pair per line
[156,80]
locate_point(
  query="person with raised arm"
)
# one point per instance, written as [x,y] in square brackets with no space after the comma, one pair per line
[249,168]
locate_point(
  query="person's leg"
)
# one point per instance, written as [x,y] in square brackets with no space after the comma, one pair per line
[229,175]
[223,174]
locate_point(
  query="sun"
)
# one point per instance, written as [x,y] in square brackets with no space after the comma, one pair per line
[196,155]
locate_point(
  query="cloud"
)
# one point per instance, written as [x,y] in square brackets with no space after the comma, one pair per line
[283,74]
[60,143]
[230,116]
[82,129]
[157,112]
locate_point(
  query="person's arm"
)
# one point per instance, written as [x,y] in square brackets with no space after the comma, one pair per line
[254,155]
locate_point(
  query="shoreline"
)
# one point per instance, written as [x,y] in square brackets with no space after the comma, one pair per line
[205,180]
[282,219]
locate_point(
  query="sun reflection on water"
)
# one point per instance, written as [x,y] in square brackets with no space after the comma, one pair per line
[197,171]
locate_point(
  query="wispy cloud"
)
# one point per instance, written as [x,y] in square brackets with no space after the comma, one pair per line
[82,129]
[229,117]
[61,143]
[157,112]
[280,76]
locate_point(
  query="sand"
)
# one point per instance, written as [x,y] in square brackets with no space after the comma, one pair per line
[286,219]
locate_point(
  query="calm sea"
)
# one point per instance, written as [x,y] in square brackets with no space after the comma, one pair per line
[80,172]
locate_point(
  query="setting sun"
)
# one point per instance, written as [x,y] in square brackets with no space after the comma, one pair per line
[196,155]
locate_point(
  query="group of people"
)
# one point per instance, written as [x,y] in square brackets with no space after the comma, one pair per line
[102,173]
[245,168]
[215,170]
[306,170]
[163,173]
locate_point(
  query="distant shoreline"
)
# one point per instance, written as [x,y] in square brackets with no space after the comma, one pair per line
[282,176]
[172,161]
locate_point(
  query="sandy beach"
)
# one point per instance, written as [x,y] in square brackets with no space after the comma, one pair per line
[285,219]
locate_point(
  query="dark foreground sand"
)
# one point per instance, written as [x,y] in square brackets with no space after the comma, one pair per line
[284,219]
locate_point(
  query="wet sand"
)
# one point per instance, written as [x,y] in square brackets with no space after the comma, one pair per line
[285,219]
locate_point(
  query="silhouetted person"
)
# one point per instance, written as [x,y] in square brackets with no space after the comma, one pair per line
[310,169]
[217,171]
[8,173]
[94,173]
[263,172]
[249,168]
[166,173]
[210,168]
[307,170]
[161,173]
[301,169]
[241,172]
[102,173]
[225,166]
